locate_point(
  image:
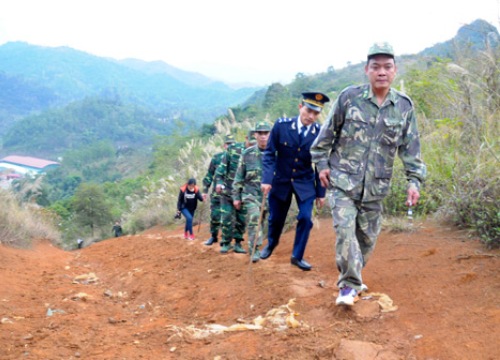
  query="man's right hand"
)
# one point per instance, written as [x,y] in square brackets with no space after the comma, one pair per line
[324,178]
[265,188]
[218,189]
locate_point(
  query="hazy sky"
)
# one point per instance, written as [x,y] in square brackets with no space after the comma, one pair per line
[259,41]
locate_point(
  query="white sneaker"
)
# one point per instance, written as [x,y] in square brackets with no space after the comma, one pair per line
[364,288]
[347,296]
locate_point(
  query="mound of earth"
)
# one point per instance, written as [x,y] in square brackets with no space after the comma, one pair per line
[433,294]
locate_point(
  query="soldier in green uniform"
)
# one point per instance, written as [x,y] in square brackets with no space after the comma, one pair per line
[246,186]
[354,152]
[232,220]
[215,199]
[250,139]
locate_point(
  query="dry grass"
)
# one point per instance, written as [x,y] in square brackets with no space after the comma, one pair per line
[19,225]
[400,224]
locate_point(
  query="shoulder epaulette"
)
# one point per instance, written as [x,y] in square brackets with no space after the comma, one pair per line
[249,149]
[284,120]
[403,95]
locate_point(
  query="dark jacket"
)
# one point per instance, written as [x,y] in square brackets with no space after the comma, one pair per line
[286,163]
[188,199]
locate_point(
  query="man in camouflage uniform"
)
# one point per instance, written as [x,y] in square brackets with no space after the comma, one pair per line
[355,153]
[246,186]
[215,199]
[250,139]
[232,220]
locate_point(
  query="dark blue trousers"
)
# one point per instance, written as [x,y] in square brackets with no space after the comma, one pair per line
[278,211]
[189,220]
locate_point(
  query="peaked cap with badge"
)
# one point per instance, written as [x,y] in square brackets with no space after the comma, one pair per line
[315,100]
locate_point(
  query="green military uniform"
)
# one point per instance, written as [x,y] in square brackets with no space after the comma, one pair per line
[215,199]
[233,221]
[358,143]
[246,188]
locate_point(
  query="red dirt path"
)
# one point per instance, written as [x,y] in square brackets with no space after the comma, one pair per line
[150,289]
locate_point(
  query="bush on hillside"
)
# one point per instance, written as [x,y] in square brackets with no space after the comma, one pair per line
[20,225]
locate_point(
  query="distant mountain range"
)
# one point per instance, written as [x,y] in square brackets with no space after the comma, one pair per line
[35,78]
[46,92]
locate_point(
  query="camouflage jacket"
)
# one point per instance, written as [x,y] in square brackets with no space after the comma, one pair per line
[208,180]
[249,175]
[359,141]
[224,175]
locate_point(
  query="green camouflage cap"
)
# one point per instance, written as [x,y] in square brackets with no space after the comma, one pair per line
[262,126]
[229,139]
[381,48]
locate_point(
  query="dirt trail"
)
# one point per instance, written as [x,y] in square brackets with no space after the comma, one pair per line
[153,296]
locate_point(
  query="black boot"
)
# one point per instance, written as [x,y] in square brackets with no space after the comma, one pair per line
[212,240]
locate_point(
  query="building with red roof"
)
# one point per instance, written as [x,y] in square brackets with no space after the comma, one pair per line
[27,164]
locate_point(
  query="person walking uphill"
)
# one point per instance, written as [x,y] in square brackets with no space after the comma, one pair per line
[355,153]
[287,170]
[233,220]
[246,187]
[117,229]
[215,198]
[189,195]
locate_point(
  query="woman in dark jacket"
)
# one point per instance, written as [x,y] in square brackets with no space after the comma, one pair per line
[186,205]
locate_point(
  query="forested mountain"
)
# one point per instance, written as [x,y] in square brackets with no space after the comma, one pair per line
[37,78]
[80,98]
[474,36]
[83,123]
[280,99]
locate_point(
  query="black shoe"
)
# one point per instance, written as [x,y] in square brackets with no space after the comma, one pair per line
[266,252]
[301,264]
[210,241]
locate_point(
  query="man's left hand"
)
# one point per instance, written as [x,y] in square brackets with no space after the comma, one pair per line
[320,202]
[413,195]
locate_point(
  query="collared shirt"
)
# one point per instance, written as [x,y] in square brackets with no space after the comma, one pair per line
[300,126]
[360,140]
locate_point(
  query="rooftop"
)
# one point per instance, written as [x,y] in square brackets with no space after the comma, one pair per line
[28,161]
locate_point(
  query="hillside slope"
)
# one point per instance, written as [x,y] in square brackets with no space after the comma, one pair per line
[153,294]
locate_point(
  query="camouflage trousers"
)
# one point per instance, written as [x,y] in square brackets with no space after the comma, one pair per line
[232,220]
[357,225]
[252,205]
[215,214]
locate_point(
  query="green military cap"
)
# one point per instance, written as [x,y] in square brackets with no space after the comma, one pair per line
[314,100]
[229,139]
[262,126]
[381,48]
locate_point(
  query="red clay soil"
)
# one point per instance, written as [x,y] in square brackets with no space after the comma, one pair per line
[154,295]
